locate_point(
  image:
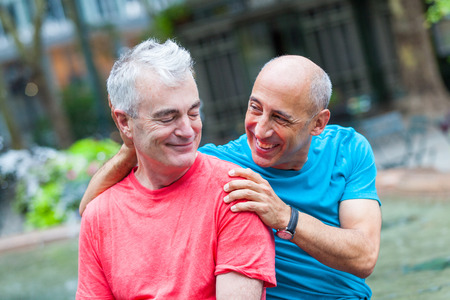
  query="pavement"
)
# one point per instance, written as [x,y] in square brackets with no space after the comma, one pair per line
[38,237]
[414,182]
[428,177]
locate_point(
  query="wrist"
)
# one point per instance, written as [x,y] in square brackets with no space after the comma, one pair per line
[285,217]
[288,232]
[127,156]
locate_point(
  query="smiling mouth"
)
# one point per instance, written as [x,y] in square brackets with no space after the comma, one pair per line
[265,146]
[183,146]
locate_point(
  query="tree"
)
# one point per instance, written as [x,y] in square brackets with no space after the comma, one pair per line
[425,92]
[33,57]
[437,9]
[97,86]
[11,124]
[163,17]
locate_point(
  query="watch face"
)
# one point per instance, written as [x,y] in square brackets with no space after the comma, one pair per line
[285,235]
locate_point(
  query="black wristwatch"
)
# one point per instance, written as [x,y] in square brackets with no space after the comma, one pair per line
[289,231]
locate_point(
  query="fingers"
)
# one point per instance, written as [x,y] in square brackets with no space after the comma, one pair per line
[244,189]
[261,209]
[239,184]
[254,182]
[246,206]
[241,193]
[261,199]
[245,173]
[241,189]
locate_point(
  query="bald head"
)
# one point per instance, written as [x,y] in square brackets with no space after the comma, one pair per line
[299,75]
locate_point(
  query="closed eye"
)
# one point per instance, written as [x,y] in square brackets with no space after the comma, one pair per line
[167,120]
[194,115]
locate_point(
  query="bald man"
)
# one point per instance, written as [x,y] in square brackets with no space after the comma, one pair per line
[312,183]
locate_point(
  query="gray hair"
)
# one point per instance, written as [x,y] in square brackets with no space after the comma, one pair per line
[169,61]
[320,89]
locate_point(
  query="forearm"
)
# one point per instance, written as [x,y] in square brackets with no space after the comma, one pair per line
[353,247]
[109,174]
[348,250]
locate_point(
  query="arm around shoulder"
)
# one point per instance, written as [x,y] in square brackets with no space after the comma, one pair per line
[109,174]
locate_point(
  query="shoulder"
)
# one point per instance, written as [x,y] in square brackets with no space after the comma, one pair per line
[230,147]
[96,206]
[342,147]
[341,133]
[338,136]
[103,202]
[236,151]
[215,165]
[210,175]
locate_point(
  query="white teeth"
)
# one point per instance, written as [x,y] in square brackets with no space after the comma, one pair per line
[265,146]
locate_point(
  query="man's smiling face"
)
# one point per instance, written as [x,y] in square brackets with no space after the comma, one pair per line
[167,131]
[280,118]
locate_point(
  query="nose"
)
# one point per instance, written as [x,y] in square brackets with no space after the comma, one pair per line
[185,127]
[263,128]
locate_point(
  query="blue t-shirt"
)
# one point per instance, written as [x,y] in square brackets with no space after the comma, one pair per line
[340,167]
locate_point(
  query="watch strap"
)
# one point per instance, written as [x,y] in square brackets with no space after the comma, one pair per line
[292,225]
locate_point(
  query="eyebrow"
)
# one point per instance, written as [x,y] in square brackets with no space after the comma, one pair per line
[170,111]
[195,105]
[282,113]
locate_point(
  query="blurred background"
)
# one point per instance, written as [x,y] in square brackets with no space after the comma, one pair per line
[389,61]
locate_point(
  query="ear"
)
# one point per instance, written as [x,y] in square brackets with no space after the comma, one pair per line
[124,122]
[321,121]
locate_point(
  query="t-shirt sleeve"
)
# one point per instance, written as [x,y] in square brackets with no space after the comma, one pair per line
[92,283]
[362,171]
[245,245]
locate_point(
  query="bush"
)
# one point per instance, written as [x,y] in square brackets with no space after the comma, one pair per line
[80,105]
[51,183]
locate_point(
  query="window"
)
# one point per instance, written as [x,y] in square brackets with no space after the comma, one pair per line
[55,11]
[107,9]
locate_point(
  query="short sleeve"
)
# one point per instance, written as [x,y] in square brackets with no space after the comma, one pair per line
[246,246]
[362,171]
[92,283]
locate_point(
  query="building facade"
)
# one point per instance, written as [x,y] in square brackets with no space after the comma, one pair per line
[110,25]
[231,40]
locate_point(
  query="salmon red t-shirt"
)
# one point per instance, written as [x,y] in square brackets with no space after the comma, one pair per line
[170,243]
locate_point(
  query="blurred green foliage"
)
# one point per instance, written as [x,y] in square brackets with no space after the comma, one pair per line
[50,187]
[164,23]
[43,133]
[79,104]
[437,9]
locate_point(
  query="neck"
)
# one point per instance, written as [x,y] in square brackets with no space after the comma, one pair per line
[298,163]
[295,166]
[154,180]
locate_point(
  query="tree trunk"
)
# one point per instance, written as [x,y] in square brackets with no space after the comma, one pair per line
[11,123]
[94,80]
[32,57]
[425,92]
[53,108]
